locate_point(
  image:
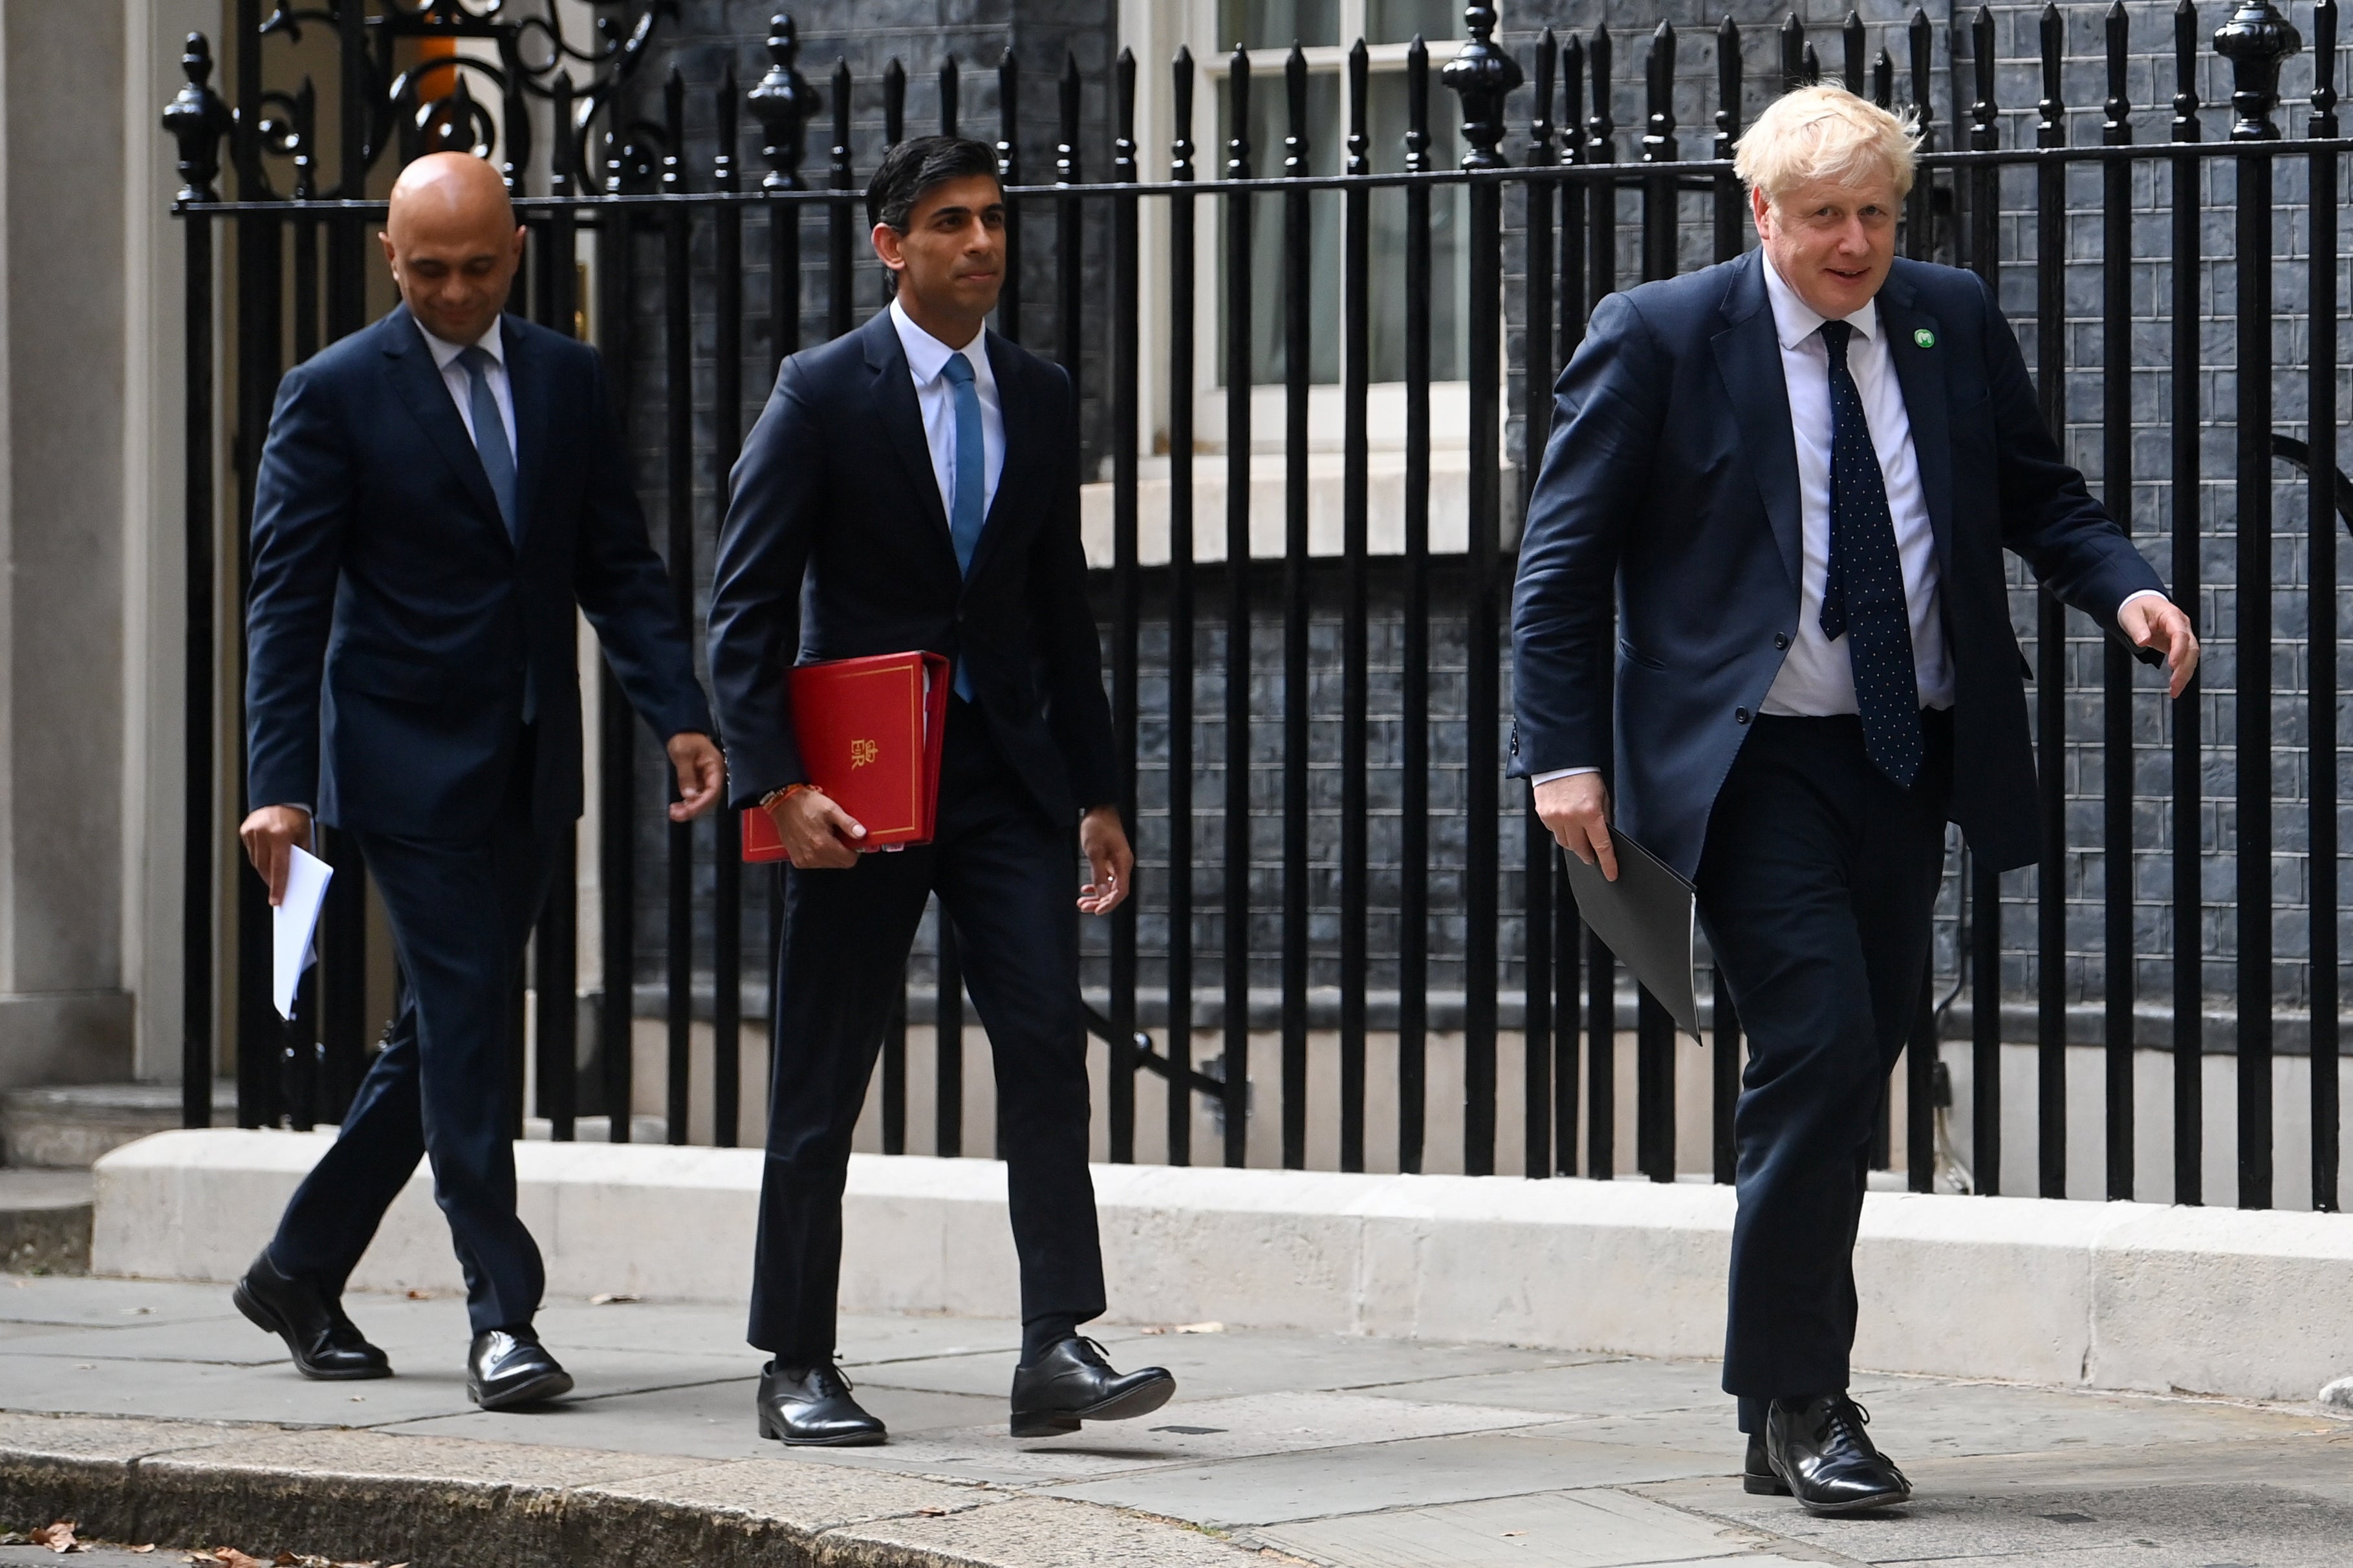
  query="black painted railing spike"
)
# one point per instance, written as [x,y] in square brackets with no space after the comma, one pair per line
[724,102]
[2324,70]
[1883,78]
[1658,145]
[1984,136]
[1238,85]
[1180,89]
[1008,117]
[1572,102]
[1793,53]
[1540,121]
[951,80]
[894,102]
[1853,46]
[1727,86]
[1923,37]
[2116,127]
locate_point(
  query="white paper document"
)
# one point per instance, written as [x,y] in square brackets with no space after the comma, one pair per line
[294,924]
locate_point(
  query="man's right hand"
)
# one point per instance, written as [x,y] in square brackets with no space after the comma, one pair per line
[269,837]
[1576,809]
[817,834]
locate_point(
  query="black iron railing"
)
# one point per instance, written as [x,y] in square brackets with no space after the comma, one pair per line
[1546,238]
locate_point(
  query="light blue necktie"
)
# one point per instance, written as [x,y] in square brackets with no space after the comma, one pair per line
[498,465]
[968,508]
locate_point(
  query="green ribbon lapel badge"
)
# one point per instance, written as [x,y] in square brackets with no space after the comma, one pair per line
[1925,338]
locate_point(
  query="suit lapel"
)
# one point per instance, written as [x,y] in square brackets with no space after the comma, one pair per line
[410,364]
[1920,371]
[895,407]
[527,386]
[1749,355]
[1020,442]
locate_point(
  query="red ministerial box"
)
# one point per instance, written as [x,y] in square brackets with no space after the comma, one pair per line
[869,731]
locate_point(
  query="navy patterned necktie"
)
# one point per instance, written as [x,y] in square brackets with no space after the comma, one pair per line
[490,437]
[1863,598]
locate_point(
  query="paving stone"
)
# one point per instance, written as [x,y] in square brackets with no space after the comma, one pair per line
[1333,1481]
[1036,1532]
[1544,1530]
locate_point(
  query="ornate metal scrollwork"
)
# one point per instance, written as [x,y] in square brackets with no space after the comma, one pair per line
[444,100]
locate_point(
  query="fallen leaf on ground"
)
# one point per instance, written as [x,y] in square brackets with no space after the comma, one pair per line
[233,1558]
[932,1512]
[58,1537]
[288,1560]
[1200,1328]
[1154,1329]
[15,1538]
[1509,1533]
[613,1298]
[143,1550]
[421,1295]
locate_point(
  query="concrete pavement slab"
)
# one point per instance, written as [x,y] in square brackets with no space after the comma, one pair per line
[1544,1530]
[1217,1365]
[1038,1532]
[98,1302]
[1328,1482]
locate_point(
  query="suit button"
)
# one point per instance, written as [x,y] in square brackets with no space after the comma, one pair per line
[1780,640]
[1740,715]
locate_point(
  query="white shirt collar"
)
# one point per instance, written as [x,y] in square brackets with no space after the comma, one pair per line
[491,343]
[1794,320]
[926,355]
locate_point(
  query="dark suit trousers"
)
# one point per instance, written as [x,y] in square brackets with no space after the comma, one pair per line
[461,910]
[1816,886]
[1004,874]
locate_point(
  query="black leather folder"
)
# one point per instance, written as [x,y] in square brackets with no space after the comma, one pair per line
[1645,918]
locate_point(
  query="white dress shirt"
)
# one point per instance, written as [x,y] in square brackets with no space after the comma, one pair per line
[453,376]
[1817,676]
[935,401]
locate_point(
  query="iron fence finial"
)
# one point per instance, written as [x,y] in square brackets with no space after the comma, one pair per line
[198,120]
[782,102]
[2255,40]
[1481,75]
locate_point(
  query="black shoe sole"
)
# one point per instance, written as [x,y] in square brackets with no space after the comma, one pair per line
[1766,1485]
[1141,1400]
[269,1322]
[1857,1505]
[538,1390]
[873,1439]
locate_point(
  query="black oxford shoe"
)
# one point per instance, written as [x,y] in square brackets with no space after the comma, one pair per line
[1072,1383]
[1820,1451]
[1756,1475]
[326,1344]
[811,1408]
[509,1367]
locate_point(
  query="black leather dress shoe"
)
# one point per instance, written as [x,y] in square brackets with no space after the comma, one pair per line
[811,1408]
[1818,1449]
[1072,1383]
[1756,1475]
[326,1344]
[509,1367]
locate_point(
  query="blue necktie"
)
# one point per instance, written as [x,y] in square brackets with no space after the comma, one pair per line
[497,464]
[1863,598]
[490,437]
[968,508]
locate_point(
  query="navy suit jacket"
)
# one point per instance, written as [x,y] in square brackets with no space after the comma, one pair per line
[1671,480]
[837,545]
[392,618]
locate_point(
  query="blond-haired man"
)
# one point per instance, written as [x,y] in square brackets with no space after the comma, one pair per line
[1795,475]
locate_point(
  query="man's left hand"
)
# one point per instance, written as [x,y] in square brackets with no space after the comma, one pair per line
[1109,858]
[2154,621]
[700,772]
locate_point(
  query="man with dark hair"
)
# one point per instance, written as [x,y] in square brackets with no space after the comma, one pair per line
[914,484]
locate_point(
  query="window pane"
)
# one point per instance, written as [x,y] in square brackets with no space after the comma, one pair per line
[1277,24]
[1450,271]
[1396,21]
[1270,121]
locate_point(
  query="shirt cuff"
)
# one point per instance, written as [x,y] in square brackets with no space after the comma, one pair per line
[2140,594]
[1548,775]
